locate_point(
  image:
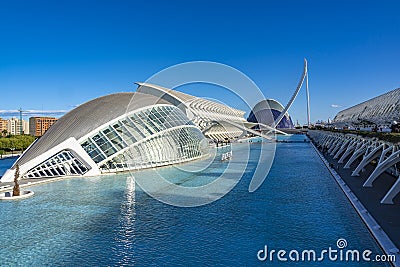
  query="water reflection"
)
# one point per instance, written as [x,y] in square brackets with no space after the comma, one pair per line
[125,232]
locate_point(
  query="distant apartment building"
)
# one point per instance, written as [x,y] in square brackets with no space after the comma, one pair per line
[39,125]
[14,126]
[3,125]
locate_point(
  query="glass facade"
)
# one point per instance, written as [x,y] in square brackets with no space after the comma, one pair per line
[62,164]
[155,136]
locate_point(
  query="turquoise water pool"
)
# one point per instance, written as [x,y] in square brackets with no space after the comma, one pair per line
[109,221]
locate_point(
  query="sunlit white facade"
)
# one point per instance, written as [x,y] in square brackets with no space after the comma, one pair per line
[154,136]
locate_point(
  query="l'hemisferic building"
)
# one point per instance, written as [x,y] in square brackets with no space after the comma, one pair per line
[152,127]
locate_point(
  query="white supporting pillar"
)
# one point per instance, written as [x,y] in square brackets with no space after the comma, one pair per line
[368,158]
[383,166]
[392,193]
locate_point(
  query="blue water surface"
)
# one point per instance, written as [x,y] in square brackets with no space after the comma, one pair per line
[5,164]
[109,221]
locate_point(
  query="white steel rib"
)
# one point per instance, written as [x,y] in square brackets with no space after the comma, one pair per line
[280,117]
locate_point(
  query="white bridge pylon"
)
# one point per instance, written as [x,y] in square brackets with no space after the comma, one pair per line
[273,127]
[304,76]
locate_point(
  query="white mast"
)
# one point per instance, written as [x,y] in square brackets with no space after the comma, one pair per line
[304,76]
[308,98]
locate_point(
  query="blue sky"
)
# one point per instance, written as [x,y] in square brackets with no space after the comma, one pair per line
[58,54]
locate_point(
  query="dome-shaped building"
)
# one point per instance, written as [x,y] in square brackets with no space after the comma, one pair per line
[267,111]
[117,132]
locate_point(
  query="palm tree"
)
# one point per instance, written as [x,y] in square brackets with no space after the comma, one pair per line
[16,191]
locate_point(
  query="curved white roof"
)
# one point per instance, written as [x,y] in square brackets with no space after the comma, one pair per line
[206,109]
[86,118]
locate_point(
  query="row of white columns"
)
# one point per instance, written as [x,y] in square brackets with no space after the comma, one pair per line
[347,148]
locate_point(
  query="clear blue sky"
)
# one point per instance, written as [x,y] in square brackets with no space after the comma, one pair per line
[58,54]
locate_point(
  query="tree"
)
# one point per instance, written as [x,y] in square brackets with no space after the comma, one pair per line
[18,142]
[16,191]
[4,132]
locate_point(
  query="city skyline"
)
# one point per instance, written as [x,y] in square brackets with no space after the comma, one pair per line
[60,55]
[35,125]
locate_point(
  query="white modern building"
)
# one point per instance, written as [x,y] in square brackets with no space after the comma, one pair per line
[380,111]
[14,126]
[153,127]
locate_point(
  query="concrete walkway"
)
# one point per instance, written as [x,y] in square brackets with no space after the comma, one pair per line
[10,156]
[4,187]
